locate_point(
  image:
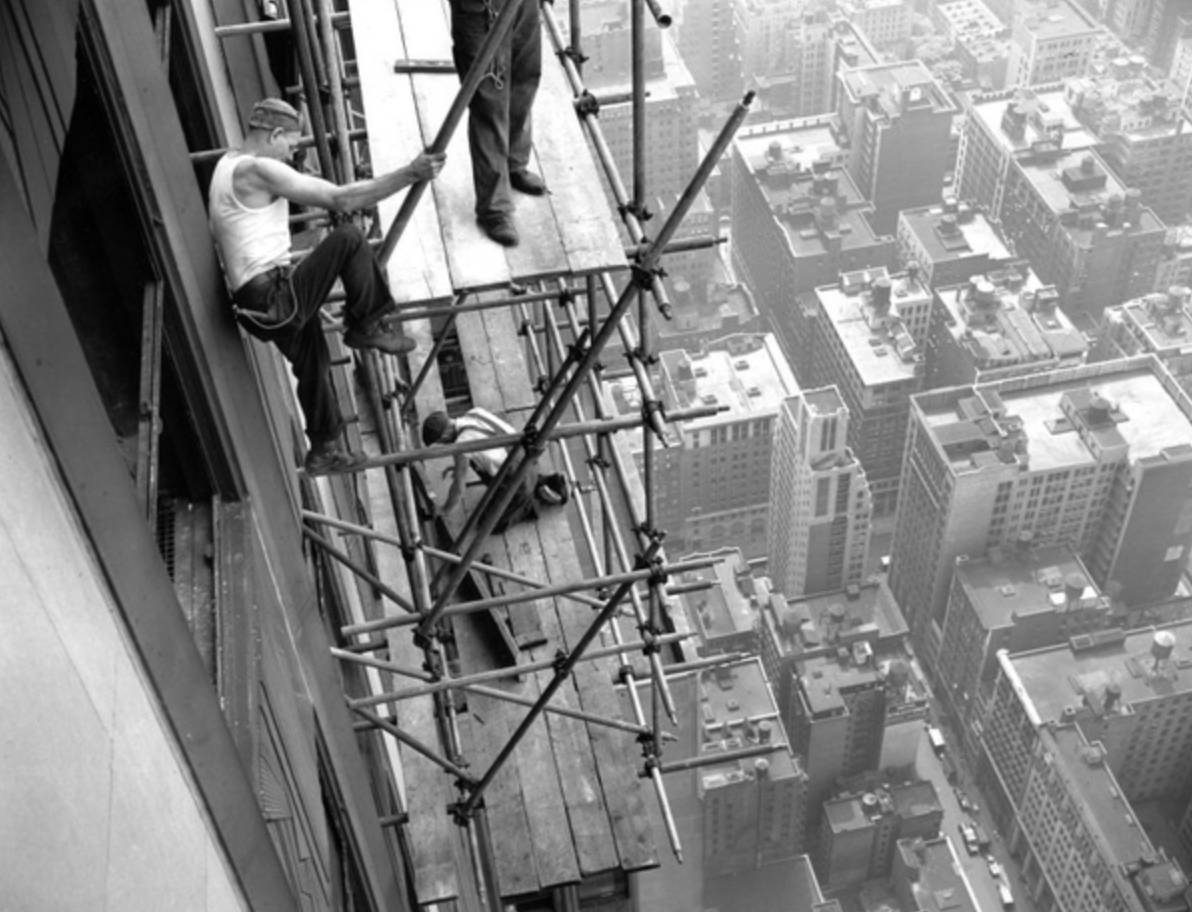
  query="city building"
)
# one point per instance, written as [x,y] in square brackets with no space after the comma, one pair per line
[721,307]
[1146,136]
[753,807]
[713,483]
[1016,599]
[724,615]
[1179,77]
[927,876]
[872,327]
[887,23]
[982,41]
[836,719]
[1001,324]
[949,242]
[1076,735]
[709,37]
[899,121]
[1002,127]
[671,98]
[820,507]
[798,222]
[1175,262]
[1082,230]
[1097,456]
[860,832]
[1051,40]
[1160,324]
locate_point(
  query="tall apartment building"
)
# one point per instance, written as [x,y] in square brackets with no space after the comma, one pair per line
[1167,23]
[1175,262]
[1002,324]
[798,222]
[709,38]
[1052,40]
[949,242]
[712,487]
[753,809]
[887,23]
[899,122]
[872,330]
[1017,599]
[1160,324]
[1075,736]
[1179,75]
[836,719]
[860,832]
[820,506]
[671,98]
[982,42]
[1082,230]
[1003,127]
[1146,136]
[1098,457]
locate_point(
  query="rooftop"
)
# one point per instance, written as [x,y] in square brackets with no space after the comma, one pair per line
[1057,677]
[1053,19]
[893,88]
[952,231]
[825,678]
[940,884]
[1004,585]
[1076,180]
[873,334]
[1006,317]
[1156,414]
[970,19]
[818,623]
[1131,104]
[1019,120]
[804,142]
[725,607]
[1164,321]
[746,374]
[1107,813]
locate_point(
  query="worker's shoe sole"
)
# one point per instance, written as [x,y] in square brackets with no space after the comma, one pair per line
[335,462]
[381,337]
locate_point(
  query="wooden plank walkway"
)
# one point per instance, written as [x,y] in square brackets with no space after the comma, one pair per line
[570,231]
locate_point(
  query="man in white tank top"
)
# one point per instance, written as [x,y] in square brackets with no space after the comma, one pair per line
[249,199]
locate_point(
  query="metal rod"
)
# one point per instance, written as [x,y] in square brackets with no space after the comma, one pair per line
[637,38]
[427,312]
[662,18]
[310,84]
[424,66]
[562,673]
[722,757]
[682,245]
[331,551]
[432,358]
[500,601]
[339,20]
[334,63]
[149,393]
[497,32]
[306,142]
[410,741]
[697,664]
[494,674]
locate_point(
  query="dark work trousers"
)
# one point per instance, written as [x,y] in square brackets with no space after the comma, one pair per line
[499,123]
[282,307]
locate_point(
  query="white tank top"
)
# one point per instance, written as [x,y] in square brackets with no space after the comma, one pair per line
[476,424]
[250,240]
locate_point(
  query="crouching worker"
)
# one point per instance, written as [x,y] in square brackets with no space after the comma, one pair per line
[479,424]
[276,302]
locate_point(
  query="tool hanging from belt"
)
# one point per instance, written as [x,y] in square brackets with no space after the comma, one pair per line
[275,288]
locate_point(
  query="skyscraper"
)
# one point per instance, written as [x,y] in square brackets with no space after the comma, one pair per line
[819,498]
[1098,457]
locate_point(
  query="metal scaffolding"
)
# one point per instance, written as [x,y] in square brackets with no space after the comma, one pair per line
[564,345]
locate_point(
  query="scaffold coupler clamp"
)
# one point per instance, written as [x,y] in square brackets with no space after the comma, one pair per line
[587,103]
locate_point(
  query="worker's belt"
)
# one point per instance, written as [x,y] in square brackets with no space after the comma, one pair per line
[266,297]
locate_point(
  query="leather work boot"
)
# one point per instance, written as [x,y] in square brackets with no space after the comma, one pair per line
[384,338]
[500,228]
[527,182]
[330,458]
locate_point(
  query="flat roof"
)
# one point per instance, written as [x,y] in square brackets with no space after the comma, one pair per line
[888,81]
[948,233]
[971,18]
[1098,795]
[1164,330]
[803,140]
[738,698]
[1047,178]
[1057,676]
[1136,106]
[1055,19]
[1154,419]
[751,379]
[871,603]
[941,885]
[724,608]
[1011,583]
[875,355]
[824,677]
[1047,102]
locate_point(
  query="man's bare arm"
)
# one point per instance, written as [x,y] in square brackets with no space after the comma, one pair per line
[279,179]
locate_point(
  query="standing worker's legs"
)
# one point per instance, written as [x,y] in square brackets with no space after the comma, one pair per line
[488,111]
[525,73]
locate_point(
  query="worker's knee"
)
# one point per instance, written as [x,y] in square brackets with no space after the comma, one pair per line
[350,235]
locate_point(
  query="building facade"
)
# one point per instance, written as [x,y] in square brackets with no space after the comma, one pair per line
[1159,324]
[820,506]
[872,330]
[949,242]
[899,121]
[1052,40]
[1096,456]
